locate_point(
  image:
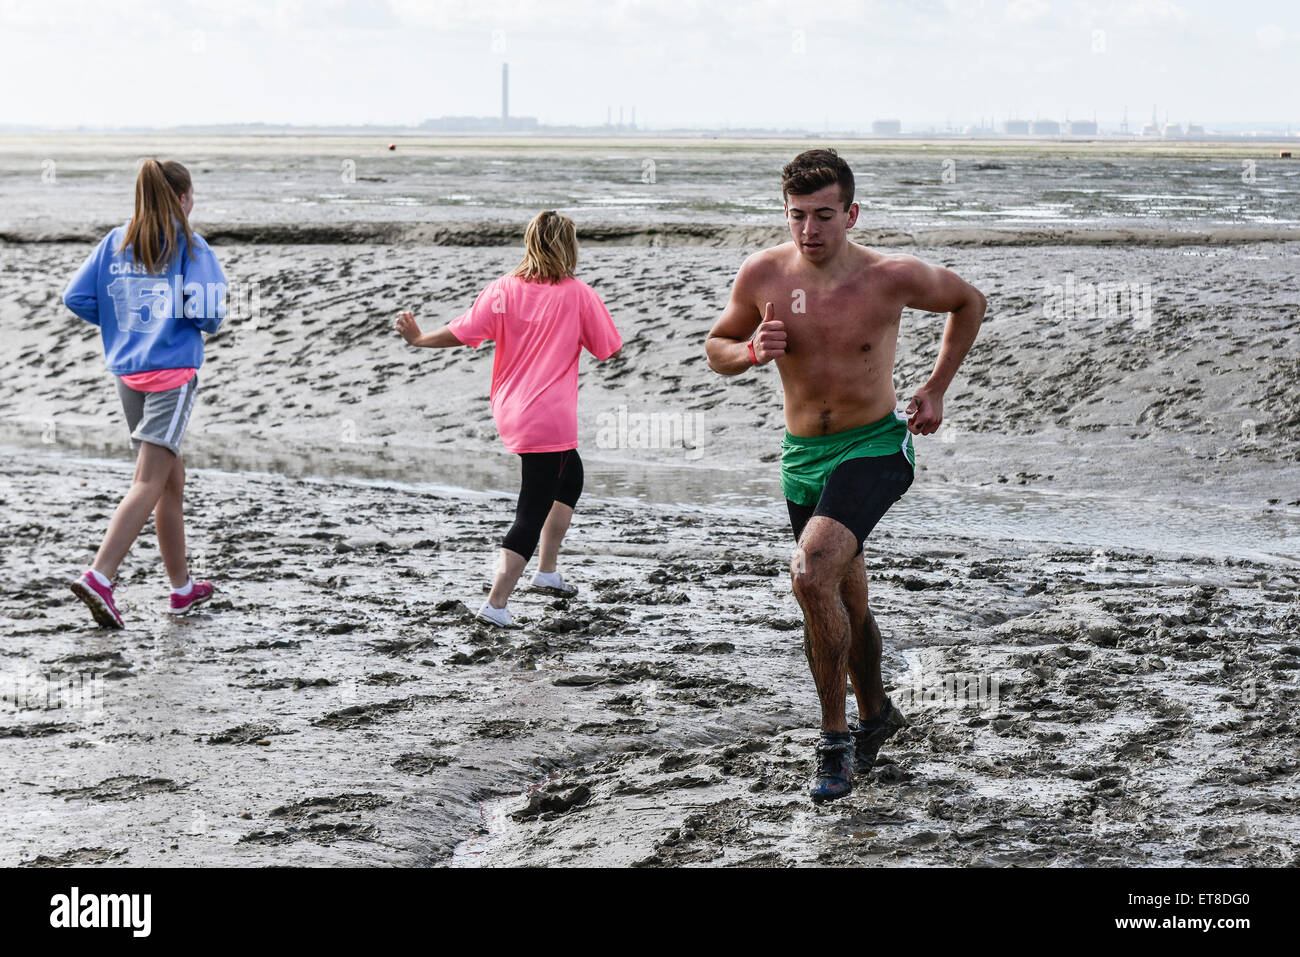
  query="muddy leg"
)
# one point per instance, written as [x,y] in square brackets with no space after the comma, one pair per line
[864,644]
[825,548]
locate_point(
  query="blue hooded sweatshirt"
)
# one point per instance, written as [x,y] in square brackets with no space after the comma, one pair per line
[150,321]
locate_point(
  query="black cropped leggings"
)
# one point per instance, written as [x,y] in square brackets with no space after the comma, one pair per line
[548,477]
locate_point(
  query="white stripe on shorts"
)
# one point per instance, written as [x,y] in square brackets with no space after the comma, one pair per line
[180,407]
[185,422]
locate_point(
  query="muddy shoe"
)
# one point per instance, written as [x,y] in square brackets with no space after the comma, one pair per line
[834,766]
[495,616]
[184,604]
[868,736]
[553,583]
[99,599]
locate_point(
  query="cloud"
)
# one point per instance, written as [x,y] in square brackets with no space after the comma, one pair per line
[1027,11]
[966,9]
[1271,36]
[1148,13]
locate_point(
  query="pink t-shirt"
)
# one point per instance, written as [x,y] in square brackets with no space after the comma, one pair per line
[540,330]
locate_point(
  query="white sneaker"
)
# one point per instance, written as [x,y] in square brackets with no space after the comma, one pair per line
[554,583]
[495,616]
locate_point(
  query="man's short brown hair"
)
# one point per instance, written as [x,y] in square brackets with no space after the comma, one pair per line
[816,169]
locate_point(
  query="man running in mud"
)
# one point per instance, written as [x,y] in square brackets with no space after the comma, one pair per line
[827,312]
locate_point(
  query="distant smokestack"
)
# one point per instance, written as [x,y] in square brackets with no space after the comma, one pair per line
[505,94]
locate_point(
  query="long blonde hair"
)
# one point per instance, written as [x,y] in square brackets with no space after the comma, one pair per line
[550,249]
[151,233]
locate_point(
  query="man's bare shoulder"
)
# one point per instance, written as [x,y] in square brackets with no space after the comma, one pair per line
[767,261]
[896,268]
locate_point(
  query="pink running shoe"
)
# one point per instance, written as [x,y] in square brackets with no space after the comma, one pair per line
[99,599]
[200,593]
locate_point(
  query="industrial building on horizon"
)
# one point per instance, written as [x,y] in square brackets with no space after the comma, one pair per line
[1042,127]
[1039,127]
[486,124]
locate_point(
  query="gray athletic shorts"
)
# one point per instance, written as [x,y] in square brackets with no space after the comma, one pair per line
[158,418]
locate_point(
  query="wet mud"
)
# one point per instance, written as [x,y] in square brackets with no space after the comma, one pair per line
[341,706]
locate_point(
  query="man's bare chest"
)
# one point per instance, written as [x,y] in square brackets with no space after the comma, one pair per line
[853,318]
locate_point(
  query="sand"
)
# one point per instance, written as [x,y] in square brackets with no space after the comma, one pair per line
[1200,396]
[1106,533]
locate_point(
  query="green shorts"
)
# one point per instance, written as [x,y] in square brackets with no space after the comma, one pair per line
[807,461]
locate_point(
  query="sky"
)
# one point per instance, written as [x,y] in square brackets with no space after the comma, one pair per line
[808,64]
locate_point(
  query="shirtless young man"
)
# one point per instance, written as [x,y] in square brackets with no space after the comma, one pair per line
[827,311]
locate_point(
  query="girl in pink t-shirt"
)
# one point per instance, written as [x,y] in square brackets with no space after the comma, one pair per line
[541,318]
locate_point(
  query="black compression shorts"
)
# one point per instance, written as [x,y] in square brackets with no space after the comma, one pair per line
[547,478]
[857,494]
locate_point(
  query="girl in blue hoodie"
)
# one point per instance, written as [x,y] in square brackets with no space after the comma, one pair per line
[153,287]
